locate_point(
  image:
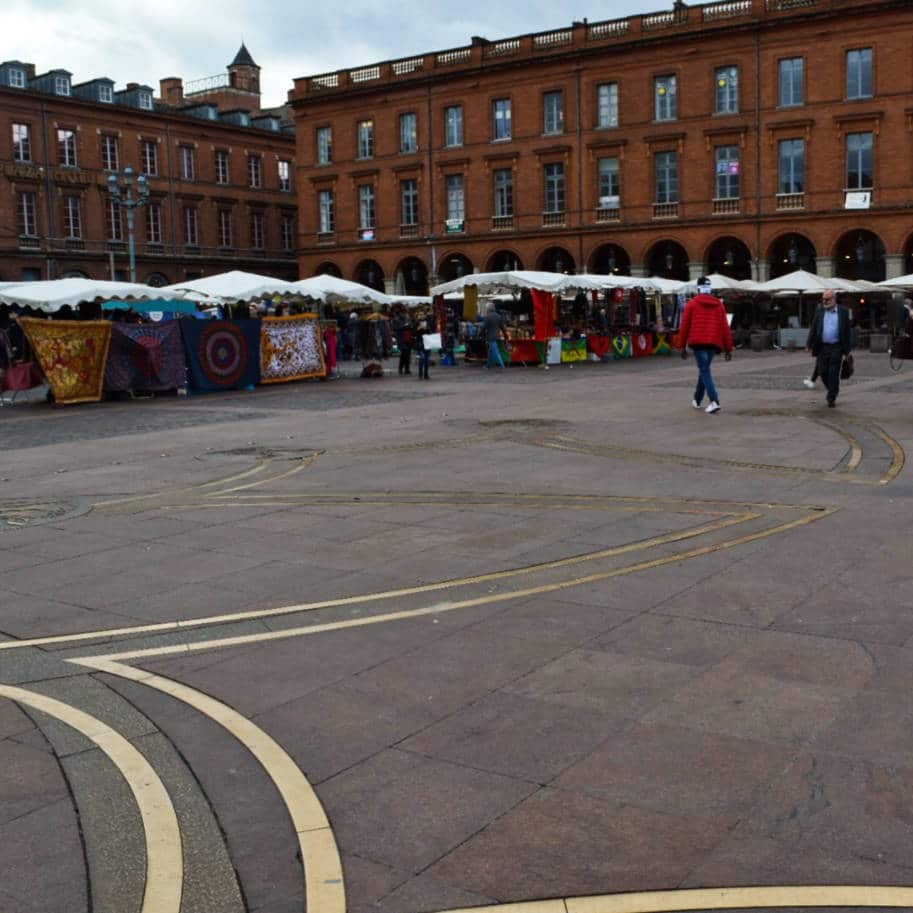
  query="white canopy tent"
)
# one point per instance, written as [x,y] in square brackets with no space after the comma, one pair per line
[898,282]
[53,294]
[515,280]
[808,283]
[233,286]
[331,290]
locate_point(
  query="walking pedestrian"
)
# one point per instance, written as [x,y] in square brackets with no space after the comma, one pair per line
[829,341]
[405,336]
[494,330]
[420,328]
[705,328]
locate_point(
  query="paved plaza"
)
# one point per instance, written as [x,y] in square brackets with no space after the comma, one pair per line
[548,641]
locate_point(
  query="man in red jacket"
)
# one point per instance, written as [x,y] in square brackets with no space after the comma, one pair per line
[706,329]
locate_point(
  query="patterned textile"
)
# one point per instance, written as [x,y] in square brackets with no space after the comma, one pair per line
[543,315]
[662,346]
[291,348]
[573,350]
[146,357]
[621,346]
[642,344]
[222,354]
[72,354]
[599,345]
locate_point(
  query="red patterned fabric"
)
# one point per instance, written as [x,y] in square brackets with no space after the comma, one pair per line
[523,350]
[599,345]
[641,344]
[544,315]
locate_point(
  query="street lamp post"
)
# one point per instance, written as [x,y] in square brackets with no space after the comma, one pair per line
[125,198]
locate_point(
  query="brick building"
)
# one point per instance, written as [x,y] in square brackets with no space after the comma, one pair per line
[747,137]
[219,168]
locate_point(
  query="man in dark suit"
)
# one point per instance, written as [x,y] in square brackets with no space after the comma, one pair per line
[829,342]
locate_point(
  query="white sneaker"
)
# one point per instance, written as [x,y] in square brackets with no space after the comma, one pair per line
[713,407]
[808,382]
[695,404]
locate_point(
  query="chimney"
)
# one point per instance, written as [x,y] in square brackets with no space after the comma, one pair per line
[171,91]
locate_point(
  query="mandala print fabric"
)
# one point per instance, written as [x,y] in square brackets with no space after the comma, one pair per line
[72,354]
[146,357]
[291,348]
[222,354]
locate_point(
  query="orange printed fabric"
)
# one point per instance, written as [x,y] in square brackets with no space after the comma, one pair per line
[72,354]
[291,348]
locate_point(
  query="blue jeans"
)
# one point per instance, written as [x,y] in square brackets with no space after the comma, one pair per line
[704,357]
[494,355]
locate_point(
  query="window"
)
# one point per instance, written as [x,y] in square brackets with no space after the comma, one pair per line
[287,230]
[456,200]
[408,193]
[728,171]
[109,157]
[285,175]
[149,156]
[257,231]
[105,94]
[859,149]
[554,187]
[666,177]
[727,90]
[859,73]
[366,206]
[366,139]
[792,82]
[327,212]
[324,145]
[145,101]
[187,158]
[27,211]
[72,217]
[501,109]
[223,170]
[22,143]
[792,166]
[607,103]
[553,112]
[153,223]
[114,227]
[254,171]
[66,148]
[609,182]
[666,91]
[191,226]
[408,133]
[61,85]
[504,192]
[225,228]
[453,125]
[17,78]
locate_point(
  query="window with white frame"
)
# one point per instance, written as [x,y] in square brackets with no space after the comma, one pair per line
[408,193]
[859,73]
[254,171]
[109,156]
[501,129]
[223,167]
[257,230]
[666,165]
[22,142]
[327,212]
[792,82]
[453,125]
[188,164]
[61,85]
[553,112]
[191,226]
[727,90]
[149,157]
[284,168]
[145,101]
[27,212]
[408,132]
[456,200]
[609,182]
[665,90]
[728,173]
[16,78]
[114,226]
[792,166]
[324,145]
[554,187]
[366,139]
[860,149]
[366,206]
[226,233]
[66,148]
[105,94]
[72,217]
[607,104]
[504,192]
[153,223]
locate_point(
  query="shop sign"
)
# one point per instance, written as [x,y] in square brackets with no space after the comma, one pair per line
[454,226]
[860,199]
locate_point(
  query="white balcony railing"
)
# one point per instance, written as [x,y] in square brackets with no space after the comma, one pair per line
[550,219]
[409,231]
[608,214]
[502,223]
[665,210]
[726,206]
[790,201]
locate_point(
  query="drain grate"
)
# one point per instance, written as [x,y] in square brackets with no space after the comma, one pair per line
[19,514]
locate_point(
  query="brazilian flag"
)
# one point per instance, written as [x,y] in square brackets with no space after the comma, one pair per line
[621,346]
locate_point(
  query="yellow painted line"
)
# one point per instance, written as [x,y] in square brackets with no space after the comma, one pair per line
[165,626]
[298,467]
[324,886]
[527,906]
[164,862]
[897,452]
[440,608]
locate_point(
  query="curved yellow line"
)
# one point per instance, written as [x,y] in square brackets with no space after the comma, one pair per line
[164,862]
[324,886]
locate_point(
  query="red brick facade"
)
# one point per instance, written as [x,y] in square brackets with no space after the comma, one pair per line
[206,222]
[780,216]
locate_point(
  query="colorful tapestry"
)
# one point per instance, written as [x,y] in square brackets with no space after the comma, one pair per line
[72,354]
[222,354]
[573,350]
[599,345]
[543,315]
[146,356]
[662,346]
[642,344]
[291,349]
[621,346]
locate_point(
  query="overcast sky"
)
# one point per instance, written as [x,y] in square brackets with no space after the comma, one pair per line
[133,42]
